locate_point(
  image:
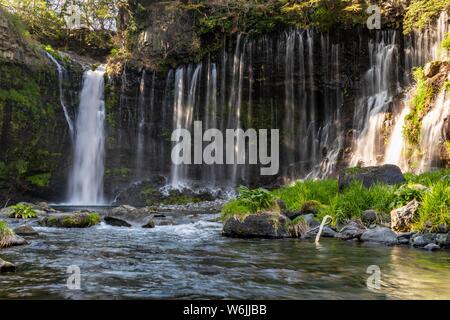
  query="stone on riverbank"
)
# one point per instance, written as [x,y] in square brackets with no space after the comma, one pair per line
[26,231]
[130,214]
[6,266]
[432,247]
[71,220]
[380,235]
[369,176]
[263,225]
[351,231]
[149,225]
[443,240]
[402,218]
[369,216]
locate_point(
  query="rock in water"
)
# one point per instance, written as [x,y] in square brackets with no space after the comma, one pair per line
[402,218]
[388,174]
[26,231]
[149,225]
[264,225]
[6,266]
[380,235]
[130,214]
[115,222]
[71,220]
[432,247]
[443,240]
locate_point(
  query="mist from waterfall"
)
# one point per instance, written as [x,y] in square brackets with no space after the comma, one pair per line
[86,179]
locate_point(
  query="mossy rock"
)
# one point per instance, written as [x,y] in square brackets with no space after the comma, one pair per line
[71,220]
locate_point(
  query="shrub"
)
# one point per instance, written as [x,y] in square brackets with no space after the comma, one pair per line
[429,178]
[297,228]
[406,194]
[421,12]
[256,200]
[434,210]
[22,211]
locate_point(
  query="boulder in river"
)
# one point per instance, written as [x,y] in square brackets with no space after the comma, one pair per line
[149,225]
[6,266]
[263,225]
[421,240]
[26,231]
[130,214]
[380,235]
[369,176]
[443,240]
[432,247]
[71,220]
[116,222]
[402,218]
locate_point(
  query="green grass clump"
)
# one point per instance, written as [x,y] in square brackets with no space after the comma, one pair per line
[297,228]
[296,196]
[23,211]
[5,234]
[434,210]
[428,178]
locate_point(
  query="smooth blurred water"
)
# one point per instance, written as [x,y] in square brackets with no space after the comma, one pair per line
[193,260]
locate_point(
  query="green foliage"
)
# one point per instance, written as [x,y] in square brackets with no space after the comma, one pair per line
[421,12]
[446,42]
[40,180]
[77,221]
[322,191]
[118,172]
[420,103]
[5,234]
[234,208]
[298,227]
[406,193]
[23,211]
[434,210]
[428,178]
[256,200]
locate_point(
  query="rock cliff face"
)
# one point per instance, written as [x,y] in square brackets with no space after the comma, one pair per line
[33,132]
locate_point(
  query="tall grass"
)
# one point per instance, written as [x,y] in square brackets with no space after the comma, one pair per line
[5,234]
[434,210]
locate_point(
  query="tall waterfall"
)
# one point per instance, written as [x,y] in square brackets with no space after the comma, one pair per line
[141,126]
[61,72]
[380,84]
[86,180]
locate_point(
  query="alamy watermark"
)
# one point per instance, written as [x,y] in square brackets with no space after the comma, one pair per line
[230,150]
[374,280]
[74,280]
[374,21]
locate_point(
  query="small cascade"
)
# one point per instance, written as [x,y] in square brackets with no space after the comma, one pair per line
[61,72]
[141,126]
[432,132]
[395,150]
[380,84]
[424,46]
[86,180]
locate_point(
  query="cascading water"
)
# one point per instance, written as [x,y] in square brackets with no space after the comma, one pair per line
[86,180]
[431,131]
[61,71]
[380,84]
[141,126]
[396,147]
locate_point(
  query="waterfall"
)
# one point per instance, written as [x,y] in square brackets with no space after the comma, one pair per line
[380,84]
[86,180]
[61,72]
[432,131]
[184,114]
[141,126]
[395,150]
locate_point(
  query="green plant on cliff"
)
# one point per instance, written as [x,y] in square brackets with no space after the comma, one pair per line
[40,180]
[421,12]
[257,199]
[420,102]
[23,211]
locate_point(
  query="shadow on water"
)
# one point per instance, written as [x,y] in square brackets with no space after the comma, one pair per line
[193,260]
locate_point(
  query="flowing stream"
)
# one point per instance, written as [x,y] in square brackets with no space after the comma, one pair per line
[192,260]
